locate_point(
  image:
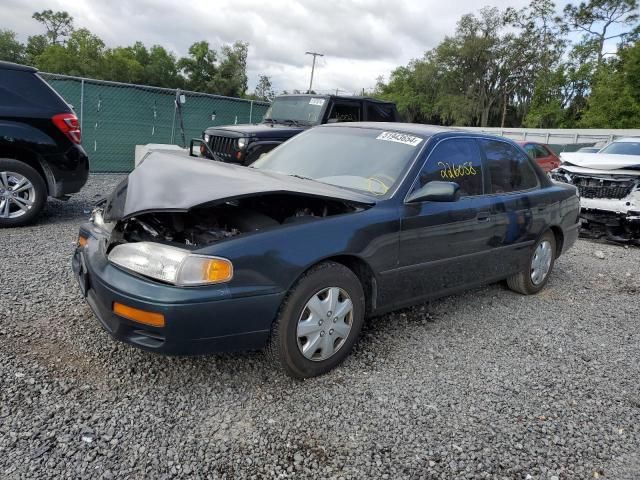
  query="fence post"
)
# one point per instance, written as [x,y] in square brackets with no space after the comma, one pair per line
[81,102]
[173,124]
[251,112]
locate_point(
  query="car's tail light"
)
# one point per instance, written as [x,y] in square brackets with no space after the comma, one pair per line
[68,124]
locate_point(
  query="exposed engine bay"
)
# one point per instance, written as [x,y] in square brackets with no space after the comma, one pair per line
[204,225]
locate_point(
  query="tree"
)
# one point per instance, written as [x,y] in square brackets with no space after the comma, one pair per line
[204,74]
[11,50]
[199,67]
[542,40]
[479,67]
[59,25]
[615,98]
[36,45]
[264,89]
[161,69]
[120,65]
[595,19]
[230,78]
[82,56]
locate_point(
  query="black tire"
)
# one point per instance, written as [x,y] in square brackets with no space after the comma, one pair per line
[283,345]
[522,282]
[40,189]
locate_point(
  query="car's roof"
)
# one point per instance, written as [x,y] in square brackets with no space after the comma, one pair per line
[15,66]
[412,128]
[528,142]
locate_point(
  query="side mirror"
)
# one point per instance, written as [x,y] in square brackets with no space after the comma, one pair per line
[436,192]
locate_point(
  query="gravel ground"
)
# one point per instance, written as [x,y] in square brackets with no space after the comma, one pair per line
[486,384]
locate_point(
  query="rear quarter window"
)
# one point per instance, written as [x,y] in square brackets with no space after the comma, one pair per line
[26,90]
[379,112]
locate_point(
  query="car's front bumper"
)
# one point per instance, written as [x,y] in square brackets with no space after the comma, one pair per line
[197,320]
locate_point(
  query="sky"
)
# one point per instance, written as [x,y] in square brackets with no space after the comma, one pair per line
[360,39]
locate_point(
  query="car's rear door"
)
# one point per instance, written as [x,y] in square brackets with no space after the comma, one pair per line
[446,245]
[518,203]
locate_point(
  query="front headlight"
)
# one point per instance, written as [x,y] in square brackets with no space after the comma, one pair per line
[206,138]
[170,264]
[242,142]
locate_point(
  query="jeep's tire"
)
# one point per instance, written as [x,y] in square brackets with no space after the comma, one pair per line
[539,267]
[23,193]
[319,321]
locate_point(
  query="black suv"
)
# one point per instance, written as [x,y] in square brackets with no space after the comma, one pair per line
[40,152]
[288,116]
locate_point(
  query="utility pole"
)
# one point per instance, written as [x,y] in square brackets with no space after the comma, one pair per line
[313,66]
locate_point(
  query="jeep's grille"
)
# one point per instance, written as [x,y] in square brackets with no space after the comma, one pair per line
[590,187]
[222,146]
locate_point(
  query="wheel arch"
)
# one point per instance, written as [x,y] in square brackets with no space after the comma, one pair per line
[360,268]
[559,236]
[32,159]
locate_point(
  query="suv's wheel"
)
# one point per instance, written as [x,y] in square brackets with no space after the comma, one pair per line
[540,265]
[23,193]
[319,321]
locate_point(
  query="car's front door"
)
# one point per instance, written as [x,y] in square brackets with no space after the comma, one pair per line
[445,245]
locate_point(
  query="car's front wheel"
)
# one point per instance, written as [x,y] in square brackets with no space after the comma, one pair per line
[541,261]
[319,321]
[23,193]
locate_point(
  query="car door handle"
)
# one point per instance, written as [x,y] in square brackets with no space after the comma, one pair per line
[484,216]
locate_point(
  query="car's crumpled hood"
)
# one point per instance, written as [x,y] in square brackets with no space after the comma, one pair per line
[601,161]
[168,182]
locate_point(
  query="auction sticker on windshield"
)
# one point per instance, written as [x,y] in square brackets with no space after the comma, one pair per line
[399,138]
[317,101]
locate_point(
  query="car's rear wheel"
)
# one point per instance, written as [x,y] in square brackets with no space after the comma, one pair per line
[541,261]
[319,321]
[23,193]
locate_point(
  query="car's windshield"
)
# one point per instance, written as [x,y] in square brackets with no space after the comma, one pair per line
[365,159]
[305,110]
[623,148]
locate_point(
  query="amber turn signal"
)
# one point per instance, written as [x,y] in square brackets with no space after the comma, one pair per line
[137,315]
[82,241]
[217,270]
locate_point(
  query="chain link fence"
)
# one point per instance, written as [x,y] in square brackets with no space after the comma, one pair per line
[115,117]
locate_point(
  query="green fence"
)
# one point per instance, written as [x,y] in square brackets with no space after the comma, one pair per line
[115,117]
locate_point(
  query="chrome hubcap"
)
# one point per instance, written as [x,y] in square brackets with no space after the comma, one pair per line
[325,323]
[17,195]
[541,262]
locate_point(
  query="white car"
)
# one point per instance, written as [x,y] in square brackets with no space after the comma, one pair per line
[609,185]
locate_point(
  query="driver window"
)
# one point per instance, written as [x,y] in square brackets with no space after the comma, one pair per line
[455,160]
[345,113]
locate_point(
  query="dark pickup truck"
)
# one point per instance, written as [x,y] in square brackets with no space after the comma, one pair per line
[288,116]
